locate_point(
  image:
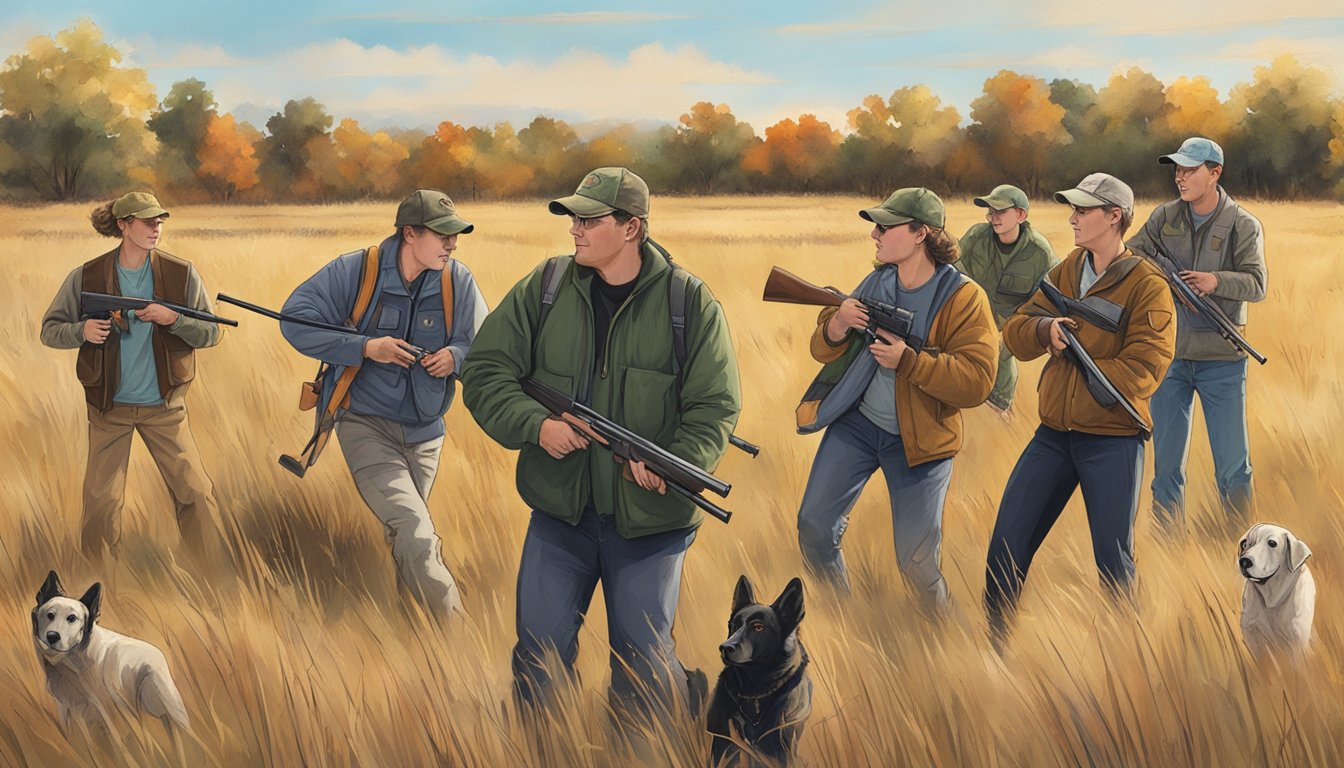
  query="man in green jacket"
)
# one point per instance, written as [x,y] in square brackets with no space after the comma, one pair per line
[598,326]
[1008,258]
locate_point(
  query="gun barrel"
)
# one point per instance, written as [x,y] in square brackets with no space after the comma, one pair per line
[92,303]
[285,318]
[739,443]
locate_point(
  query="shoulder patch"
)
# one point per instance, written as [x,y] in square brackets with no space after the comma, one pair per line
[1159,319]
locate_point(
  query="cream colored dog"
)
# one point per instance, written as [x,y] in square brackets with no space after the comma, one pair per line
[1279,601]
[97,676]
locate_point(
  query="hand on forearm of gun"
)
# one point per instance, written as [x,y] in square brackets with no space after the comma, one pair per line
[157,314]
[1203,283]
[645,478]
[389,349]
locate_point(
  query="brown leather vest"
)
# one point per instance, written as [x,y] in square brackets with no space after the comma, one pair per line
[99,365]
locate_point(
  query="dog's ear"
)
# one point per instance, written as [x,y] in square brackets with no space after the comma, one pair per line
[1298,552]
[93,600]
[789,606]
[743,595]
[50,588]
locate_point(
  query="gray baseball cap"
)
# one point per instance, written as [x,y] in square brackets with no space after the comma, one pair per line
[1194,151]
[603,191]
[1003,197]
[433,210]
[1098,189]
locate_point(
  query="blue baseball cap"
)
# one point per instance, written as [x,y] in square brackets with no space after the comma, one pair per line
[1196,150]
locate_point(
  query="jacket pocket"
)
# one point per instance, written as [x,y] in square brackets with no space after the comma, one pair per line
[427,332]
[647,404]
[1015,288]
[389,318]
[89,365]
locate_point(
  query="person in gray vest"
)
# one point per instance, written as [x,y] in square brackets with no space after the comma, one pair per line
[894,403]
[1221,250]
[391,431]
[136,368]
[1007,257]
[599,326]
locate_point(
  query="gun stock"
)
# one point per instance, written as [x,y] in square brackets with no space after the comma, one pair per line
[786,287]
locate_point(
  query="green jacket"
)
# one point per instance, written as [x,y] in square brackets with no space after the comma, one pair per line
[1009,281]
[637,388]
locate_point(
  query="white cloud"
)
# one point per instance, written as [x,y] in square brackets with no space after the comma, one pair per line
[1327,52]
[582,17]
[1193,17]
[193,56]
[650,82]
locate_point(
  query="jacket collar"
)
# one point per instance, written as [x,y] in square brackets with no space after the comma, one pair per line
[392,282]
[1114,274]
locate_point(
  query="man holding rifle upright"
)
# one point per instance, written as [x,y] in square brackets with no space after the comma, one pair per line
[1218,249]
[136,366]
[600,326]
[1081,441]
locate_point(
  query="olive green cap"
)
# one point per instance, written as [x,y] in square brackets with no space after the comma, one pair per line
[1003,197]
[603,191]
[141,205]
[433,210]
[907,205]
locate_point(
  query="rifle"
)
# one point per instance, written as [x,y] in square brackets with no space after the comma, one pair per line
[788,288]
[1202,306]
[680,475]
[1100,314]
[419,352]
[100,306]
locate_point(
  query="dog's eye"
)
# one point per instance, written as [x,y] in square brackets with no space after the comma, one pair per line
[51,615]
[1242,545]
[1273,543]
[71,618]
[757,626]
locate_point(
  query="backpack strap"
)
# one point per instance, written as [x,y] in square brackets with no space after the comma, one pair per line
[340,396]
[551,275]
[677,288]
[447,294]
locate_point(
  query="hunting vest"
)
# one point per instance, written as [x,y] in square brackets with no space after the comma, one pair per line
[99,365]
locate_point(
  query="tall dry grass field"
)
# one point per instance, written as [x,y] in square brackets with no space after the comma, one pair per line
[309,657]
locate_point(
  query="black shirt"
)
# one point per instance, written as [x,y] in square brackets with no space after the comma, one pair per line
[607,299]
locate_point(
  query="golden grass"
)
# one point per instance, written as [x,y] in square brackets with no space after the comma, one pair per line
[309,658]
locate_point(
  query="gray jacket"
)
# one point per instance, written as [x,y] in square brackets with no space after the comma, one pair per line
[1231,245]
[410,396]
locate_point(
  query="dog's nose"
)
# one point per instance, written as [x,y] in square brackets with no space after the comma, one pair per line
[727,647]
[53,638]
[1245,563]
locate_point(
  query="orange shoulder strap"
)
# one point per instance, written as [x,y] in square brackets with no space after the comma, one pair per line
[340,397]
[447,286]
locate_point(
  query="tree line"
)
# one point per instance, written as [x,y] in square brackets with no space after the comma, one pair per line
[77,124]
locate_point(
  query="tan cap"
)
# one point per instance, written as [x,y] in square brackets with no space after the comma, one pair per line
[1098,189]
[141,205]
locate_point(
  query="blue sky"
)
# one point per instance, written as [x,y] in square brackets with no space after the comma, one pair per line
[414,64]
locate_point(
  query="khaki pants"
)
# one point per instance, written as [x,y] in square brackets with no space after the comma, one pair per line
[168,437]
[395,478]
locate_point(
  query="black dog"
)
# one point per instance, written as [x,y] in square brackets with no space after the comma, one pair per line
[764,694]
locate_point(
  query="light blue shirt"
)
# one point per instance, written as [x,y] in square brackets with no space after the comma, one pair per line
[879,400]
[139,384]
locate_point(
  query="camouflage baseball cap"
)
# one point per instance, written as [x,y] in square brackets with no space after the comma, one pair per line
[1098,189]
[1003,197]
[603,191]
[433,210]
[906,205]
[141,205]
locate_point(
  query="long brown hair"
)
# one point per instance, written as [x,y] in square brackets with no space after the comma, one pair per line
[104,223]
[942,247]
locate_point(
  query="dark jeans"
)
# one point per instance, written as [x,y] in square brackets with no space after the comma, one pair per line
[641,580]
[1109,469]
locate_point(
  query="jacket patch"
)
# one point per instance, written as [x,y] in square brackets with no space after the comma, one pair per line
[1173,229]
[1216,243]
[1159,319]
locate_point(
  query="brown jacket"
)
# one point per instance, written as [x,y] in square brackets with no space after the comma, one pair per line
[98,366]
[1135,358]
[955,370]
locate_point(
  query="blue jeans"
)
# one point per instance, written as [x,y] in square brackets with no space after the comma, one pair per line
[641,581]
[1221,385]
[852,449]
[1110,471]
